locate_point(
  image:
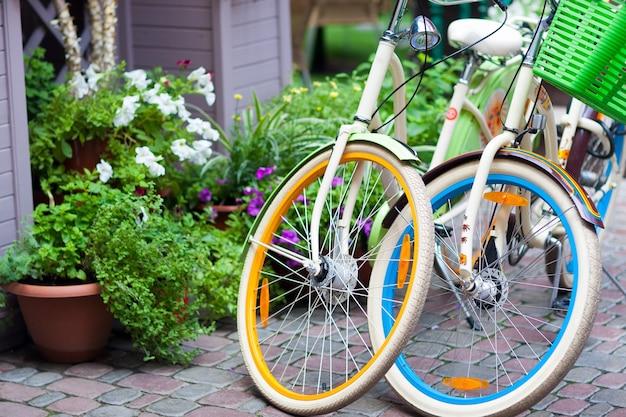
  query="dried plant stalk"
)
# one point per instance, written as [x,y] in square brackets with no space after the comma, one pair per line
[95,21]
[70,38]
[109,8]
[103,22]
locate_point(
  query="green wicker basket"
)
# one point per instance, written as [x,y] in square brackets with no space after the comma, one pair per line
[584,54]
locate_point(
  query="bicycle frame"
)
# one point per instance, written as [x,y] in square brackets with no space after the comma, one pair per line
[365,119]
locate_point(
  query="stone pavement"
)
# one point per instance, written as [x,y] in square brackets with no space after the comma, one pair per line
[120,384]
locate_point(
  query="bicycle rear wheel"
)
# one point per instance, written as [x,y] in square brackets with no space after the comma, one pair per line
[601,176]
[304,337]
[500,350]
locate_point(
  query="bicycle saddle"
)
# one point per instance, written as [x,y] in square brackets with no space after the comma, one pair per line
[503,43]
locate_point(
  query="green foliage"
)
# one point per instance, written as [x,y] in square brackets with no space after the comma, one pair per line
[51,250]
[149,263]
[264,135]
[39,80]
[220,282]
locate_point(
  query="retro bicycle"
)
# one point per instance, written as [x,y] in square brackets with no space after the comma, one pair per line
[517,264]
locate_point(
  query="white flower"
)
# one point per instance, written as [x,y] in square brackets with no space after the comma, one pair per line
[202,153]
[125,114]
[150,95]
[105,170]
[142,217]
[144,155]
[92,78]
[203,84]
[209,95]
[79,86]
[197,74]
[182,150]
[138,78]
[203,128]
[166,105]
[181,109]
[183,113]
[156,170]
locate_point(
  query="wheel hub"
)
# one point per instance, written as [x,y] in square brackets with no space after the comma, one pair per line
[337,278]
[491,288]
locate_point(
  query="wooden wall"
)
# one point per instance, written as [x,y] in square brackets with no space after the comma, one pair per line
[244,43]
[15,182]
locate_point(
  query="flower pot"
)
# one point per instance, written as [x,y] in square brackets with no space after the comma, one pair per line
[222,213]
[85,155]
[68,324]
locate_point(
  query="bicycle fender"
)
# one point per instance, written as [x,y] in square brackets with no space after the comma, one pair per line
[586,208]
[401,150]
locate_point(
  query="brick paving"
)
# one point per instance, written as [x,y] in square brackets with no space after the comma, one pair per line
[120,384]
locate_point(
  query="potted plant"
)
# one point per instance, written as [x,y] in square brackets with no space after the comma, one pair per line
[149,262]
[121,117]
[46,269]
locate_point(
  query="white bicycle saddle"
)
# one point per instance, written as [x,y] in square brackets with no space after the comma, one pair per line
[503,43]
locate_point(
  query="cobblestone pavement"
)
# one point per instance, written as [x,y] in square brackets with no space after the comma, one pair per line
[120,384]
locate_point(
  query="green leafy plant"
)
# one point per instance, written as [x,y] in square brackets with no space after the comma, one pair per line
[51,248]
[149,262]
[39,81]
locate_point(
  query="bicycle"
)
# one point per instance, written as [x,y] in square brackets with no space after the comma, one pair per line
[500,327]
[302,316]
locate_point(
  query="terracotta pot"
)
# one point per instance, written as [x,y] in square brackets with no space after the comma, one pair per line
[222,213]
[86,155]
[68,324]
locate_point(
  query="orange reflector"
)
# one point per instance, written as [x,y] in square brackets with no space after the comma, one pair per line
[405,260]
[465,384]
[501,197]
[264,302]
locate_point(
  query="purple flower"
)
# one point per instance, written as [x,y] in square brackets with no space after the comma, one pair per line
[221,181]
[255,205]
[365,225]
[293,264]
[289,236]
[263,172]
[252,191]
[337,181]
[205,195]
[302,199]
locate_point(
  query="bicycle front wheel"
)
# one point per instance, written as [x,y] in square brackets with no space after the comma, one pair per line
[304,336]
[499,350]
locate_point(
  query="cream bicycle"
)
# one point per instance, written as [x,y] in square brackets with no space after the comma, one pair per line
[302,311]
[517,262]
